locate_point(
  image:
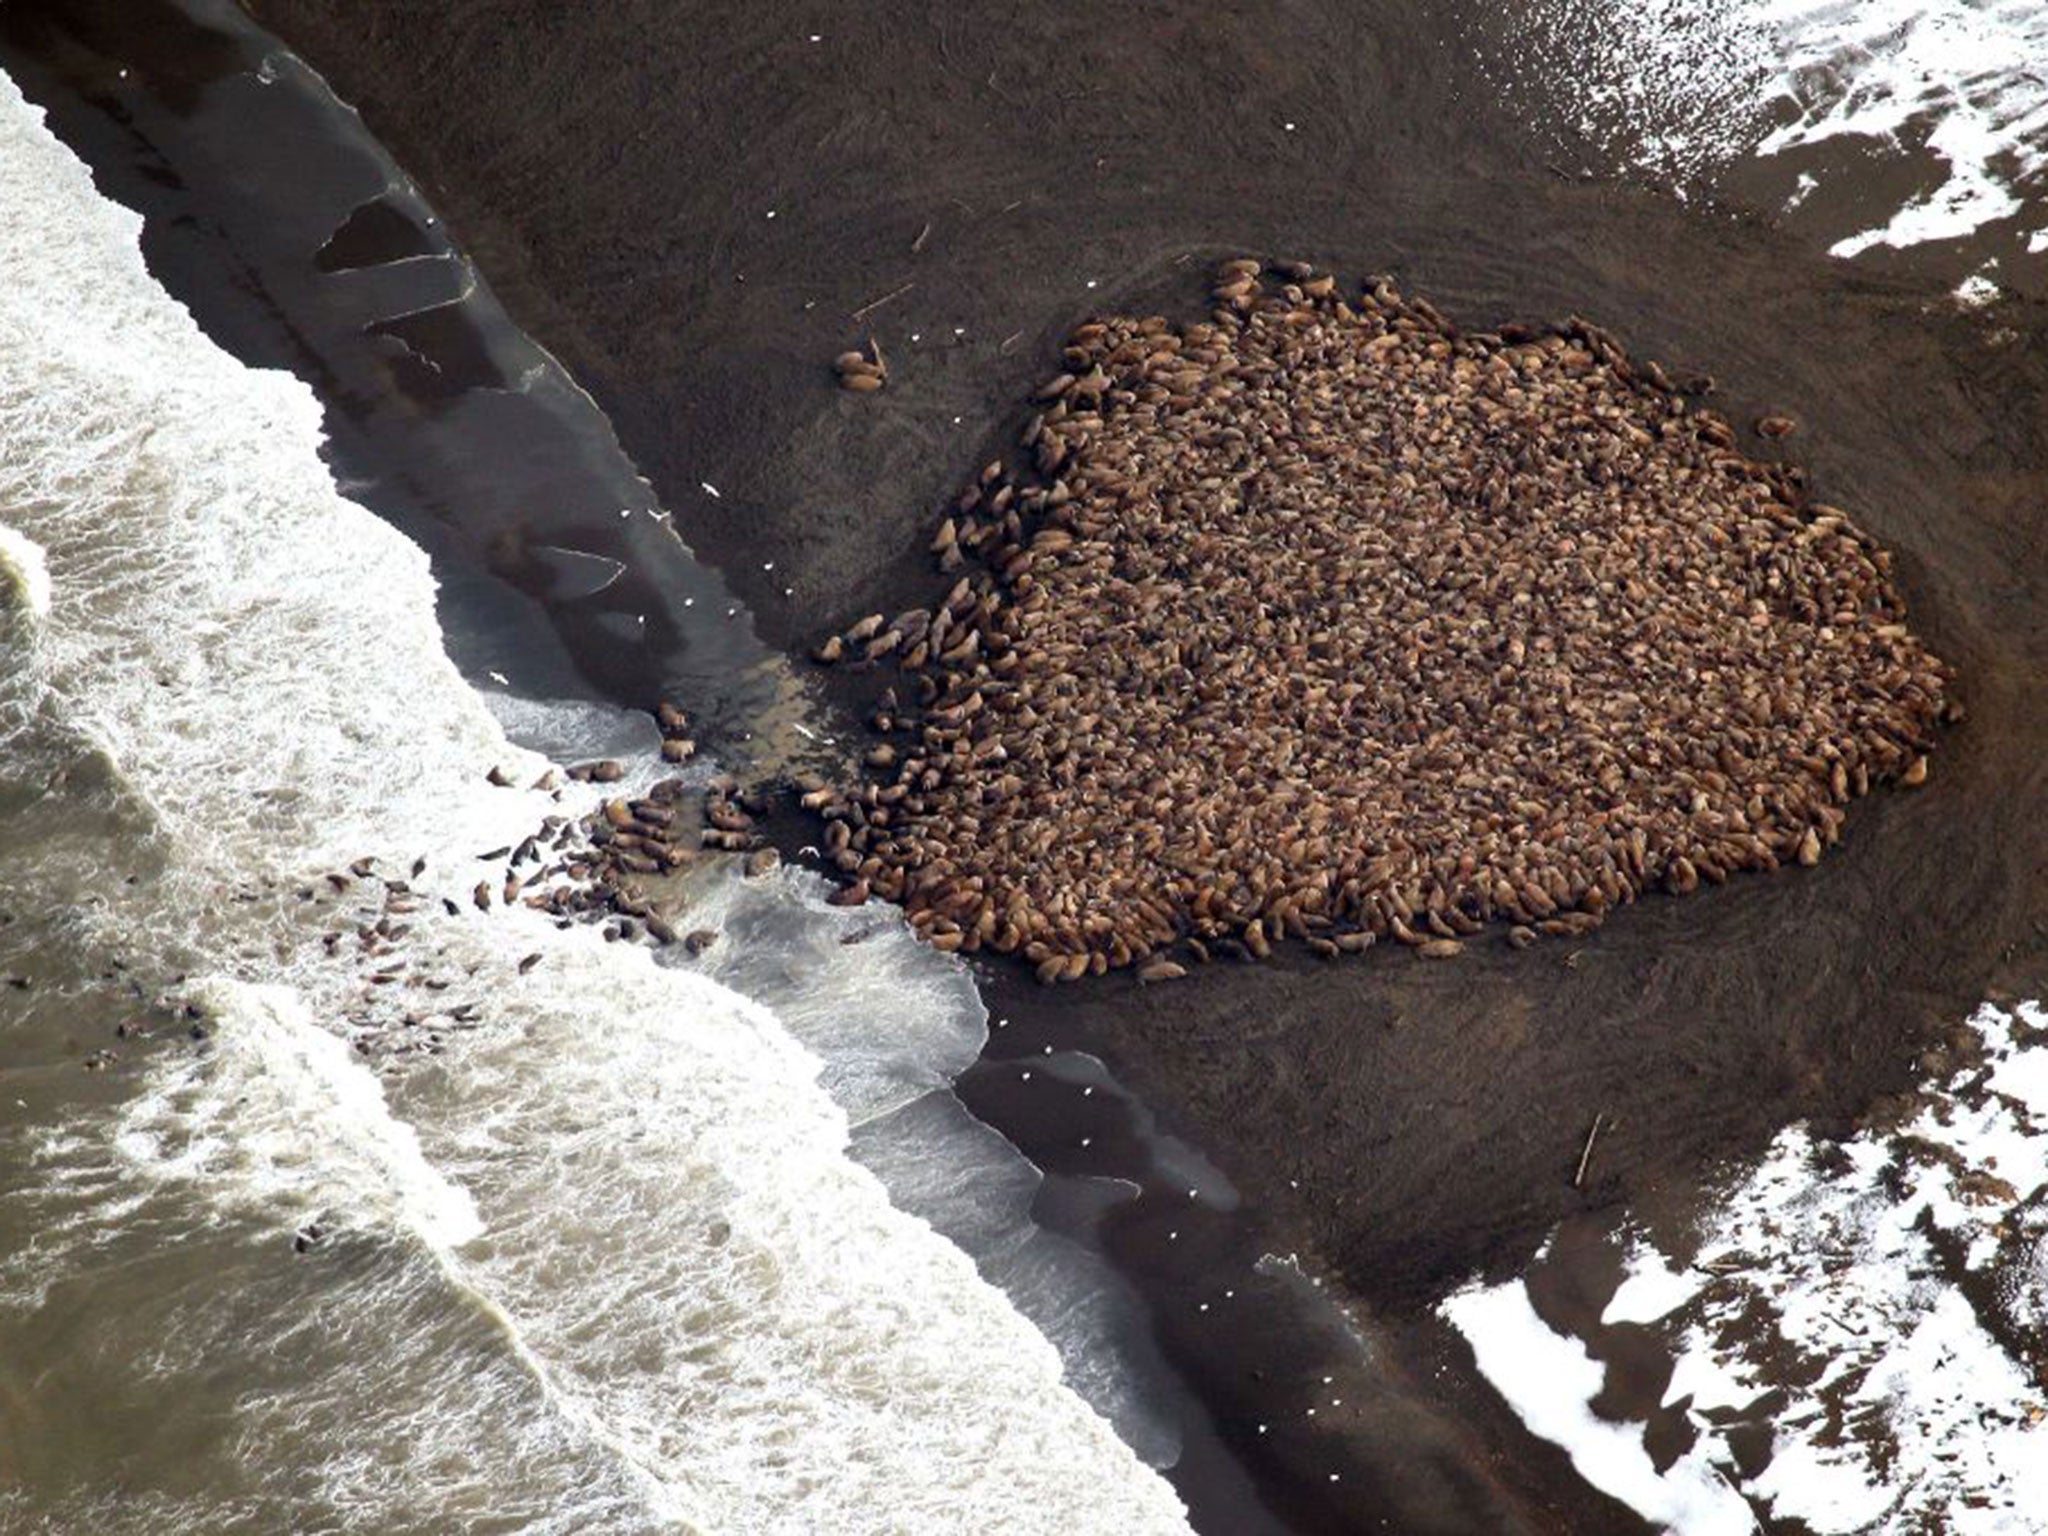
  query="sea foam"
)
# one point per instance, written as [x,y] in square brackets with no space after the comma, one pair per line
[25,572]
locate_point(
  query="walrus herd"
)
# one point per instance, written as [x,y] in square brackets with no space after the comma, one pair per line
[1323,617]
[597,867]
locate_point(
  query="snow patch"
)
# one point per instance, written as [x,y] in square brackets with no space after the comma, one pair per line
[1867,1303]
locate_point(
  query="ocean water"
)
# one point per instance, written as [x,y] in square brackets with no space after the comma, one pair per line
[595,1254]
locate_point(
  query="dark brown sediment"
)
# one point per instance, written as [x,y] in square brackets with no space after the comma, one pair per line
[1322,619]
[611,167]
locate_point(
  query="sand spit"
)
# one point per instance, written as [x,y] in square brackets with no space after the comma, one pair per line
[1323,618]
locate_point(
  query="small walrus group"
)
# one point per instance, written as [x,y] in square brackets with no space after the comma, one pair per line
[1325,618]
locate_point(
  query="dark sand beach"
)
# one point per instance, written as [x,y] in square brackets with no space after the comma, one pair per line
[690,207]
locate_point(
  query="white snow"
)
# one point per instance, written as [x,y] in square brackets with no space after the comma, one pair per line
[1686,88]
[1550,1381]
[1850,1298]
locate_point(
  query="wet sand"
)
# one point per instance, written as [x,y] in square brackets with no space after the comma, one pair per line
[613,172]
